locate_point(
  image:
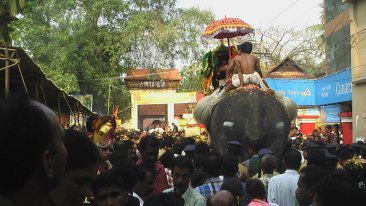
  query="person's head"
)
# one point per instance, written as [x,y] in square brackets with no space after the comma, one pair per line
[234,186]
[156,123]
[245,47]
[202,148]
[292,159]
[81,167]
[109,190]
[344,153]
[316,157]
[145,181]
[118,155]
[32,146]
[149,148]
[315,132]
[212,164]
[131,153]
[354,169]
[328,128]
[268,163]
[177,148]
[166,159]
[199,157]
[336,127]
[234,147]
[168,142]
[164,199]
[331,162]
[331,148]
[255,189]
[254,146]
[198,178]
[105,152]
[182,174]
[336,189]
[309,177]
[126,169]
[188,141]
[221,198]
[229,165]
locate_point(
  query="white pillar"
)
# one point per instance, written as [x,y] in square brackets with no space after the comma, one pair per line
[170,113]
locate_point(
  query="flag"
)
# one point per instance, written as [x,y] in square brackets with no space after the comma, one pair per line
[115,111]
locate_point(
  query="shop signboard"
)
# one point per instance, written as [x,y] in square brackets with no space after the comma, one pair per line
[301,91]
[331,89]
[329,113]
[163,97]
[334,88]
[308,112]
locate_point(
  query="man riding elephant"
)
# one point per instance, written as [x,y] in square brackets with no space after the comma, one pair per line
[251,112]
[244,69]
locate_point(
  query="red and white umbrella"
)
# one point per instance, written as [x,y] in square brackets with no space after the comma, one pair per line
[227,28]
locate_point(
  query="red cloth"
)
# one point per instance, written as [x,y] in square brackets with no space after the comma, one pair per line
[161,182]
[256,202]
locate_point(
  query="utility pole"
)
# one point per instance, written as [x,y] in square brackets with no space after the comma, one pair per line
[109,95]
[6,71]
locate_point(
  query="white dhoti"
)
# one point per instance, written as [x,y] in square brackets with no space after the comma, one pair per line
[253,78]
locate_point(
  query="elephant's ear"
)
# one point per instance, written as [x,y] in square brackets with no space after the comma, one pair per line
[204,108]
[289,105]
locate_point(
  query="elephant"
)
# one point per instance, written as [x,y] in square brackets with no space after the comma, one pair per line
[247,114]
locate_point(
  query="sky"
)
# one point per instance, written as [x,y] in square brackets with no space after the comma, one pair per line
[263,13]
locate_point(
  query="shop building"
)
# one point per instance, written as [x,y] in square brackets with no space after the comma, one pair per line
[320,101]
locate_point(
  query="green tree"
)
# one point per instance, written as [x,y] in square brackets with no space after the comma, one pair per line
[8,11]
[87,46]
[192,80]
[306,46]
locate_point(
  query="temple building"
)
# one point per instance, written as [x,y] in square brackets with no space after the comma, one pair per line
[154,97]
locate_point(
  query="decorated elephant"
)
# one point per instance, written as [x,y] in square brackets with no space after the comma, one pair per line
[246,114]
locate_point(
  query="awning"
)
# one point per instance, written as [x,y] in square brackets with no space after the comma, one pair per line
[36,84]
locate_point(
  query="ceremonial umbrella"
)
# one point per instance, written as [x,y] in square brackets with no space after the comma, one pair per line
[227,28]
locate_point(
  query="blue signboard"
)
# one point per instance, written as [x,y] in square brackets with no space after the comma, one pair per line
[329,113]
[302,92]
[327,90]
[334,88]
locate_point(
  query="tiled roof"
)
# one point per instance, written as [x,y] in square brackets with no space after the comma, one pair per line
[288,69]
[149,74]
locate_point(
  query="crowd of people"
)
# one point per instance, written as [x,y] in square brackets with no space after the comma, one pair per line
[43,164]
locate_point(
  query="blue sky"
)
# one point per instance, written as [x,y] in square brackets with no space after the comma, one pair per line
[262,13]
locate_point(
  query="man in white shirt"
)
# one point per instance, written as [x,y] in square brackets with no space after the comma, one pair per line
[281,188]
[182,174]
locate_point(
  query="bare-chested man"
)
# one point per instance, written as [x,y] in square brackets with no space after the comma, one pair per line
[245,68]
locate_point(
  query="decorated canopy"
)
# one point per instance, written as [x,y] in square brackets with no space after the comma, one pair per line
[227,28]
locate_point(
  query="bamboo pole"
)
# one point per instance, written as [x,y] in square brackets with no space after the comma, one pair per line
[6,72]
[109,95]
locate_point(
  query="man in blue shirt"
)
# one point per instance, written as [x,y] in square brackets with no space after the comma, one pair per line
[212,168]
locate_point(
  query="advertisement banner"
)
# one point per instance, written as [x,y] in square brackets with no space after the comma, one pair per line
[329,114]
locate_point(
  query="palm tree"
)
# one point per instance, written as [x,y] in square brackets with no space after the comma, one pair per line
[8,11]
